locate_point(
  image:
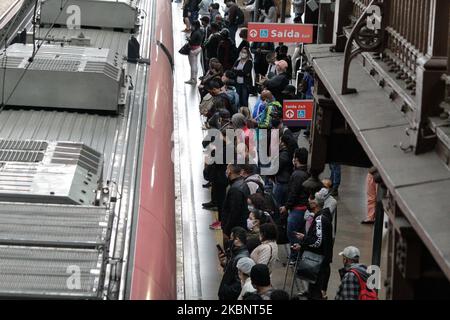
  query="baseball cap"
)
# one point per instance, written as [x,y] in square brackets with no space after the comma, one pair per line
[282,64]
[350,252]
[245,265]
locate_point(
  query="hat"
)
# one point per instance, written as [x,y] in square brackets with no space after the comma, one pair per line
[245,265]
[290,89]
[282,64]
[260,275]
[350,253]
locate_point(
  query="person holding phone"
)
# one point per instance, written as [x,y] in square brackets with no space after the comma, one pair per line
[230,286]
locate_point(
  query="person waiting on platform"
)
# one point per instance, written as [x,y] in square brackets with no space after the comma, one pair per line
[257,217]
[267,252]
[278,83]
[354,278]
[297,199]
[235,211]
[195,43]
[260,277]
[318,239]
[243,68]
[226,51]
[230,286]
[244,267]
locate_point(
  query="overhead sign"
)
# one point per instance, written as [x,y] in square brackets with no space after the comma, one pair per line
[298,112]
[280,32]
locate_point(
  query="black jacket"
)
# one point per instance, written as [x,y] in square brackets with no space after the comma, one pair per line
[235,210]
[297,195]
[277,84]
[226,53]
[284,166]
[246,72]
[230,286]
[196,38]
[212,44]
[319,238]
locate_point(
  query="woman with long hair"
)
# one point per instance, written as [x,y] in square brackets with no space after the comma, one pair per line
[243,68]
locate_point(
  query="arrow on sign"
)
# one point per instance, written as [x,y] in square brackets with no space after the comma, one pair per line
[253,33]
[290,114]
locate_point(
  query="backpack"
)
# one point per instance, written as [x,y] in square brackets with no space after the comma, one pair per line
[364,292]
[233,97]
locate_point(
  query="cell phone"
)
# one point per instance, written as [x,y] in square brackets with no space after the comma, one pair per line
[219,248]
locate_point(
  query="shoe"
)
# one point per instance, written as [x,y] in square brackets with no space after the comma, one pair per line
[207,185]
[367,222]
[209,204]
[192,82]
[217,225]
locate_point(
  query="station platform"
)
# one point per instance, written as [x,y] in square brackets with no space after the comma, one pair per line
[198,269]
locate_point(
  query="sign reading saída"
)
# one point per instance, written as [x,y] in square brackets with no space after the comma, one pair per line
[280,32]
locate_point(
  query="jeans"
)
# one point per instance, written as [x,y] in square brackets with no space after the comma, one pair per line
[193,62]
[335,175]
[242,91]
[296,223]
[280,193]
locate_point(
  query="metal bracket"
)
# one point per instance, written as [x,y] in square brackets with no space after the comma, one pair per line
[367,40]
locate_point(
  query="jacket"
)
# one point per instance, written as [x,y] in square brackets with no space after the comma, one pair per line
[277,84]
[266,253]
[235,210]
[284,166]
[212,44]
[349,288]
[297,195]
[230,286]
[226,52]
[319,238]
[246,73]
[196,38]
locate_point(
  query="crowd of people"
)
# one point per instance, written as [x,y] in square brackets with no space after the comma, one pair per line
[257,211]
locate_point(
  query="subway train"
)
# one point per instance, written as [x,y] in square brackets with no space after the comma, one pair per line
[87,195]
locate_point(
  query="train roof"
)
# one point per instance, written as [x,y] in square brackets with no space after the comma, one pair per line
[114,135]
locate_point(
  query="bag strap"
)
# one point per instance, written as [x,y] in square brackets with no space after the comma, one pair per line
[362,284]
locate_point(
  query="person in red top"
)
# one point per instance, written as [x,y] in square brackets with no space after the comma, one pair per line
[371,189]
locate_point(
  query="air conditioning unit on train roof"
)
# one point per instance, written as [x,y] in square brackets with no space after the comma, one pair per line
[63,77]
[111,14]
[49,172]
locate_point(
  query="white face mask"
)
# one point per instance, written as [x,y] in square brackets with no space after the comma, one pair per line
[250,224]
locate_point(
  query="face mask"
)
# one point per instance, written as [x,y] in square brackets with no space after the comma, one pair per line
[244,56]
[250,208]
[250,224]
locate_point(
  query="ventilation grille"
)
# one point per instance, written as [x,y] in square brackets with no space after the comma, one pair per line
[22,151]
[54,65]
[72,153]
[54,225]
[44,272]
[99,67]
[11,62]
[27,145]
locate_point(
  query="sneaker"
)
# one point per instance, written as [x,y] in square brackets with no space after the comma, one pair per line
[368,222]
[209,204]
[191,82]
[217,225]
[207,185]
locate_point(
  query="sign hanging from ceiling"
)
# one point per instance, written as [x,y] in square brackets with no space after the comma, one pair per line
[280,32]
[298,112]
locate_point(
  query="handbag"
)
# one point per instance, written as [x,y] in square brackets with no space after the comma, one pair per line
[308,266]
[185,49]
